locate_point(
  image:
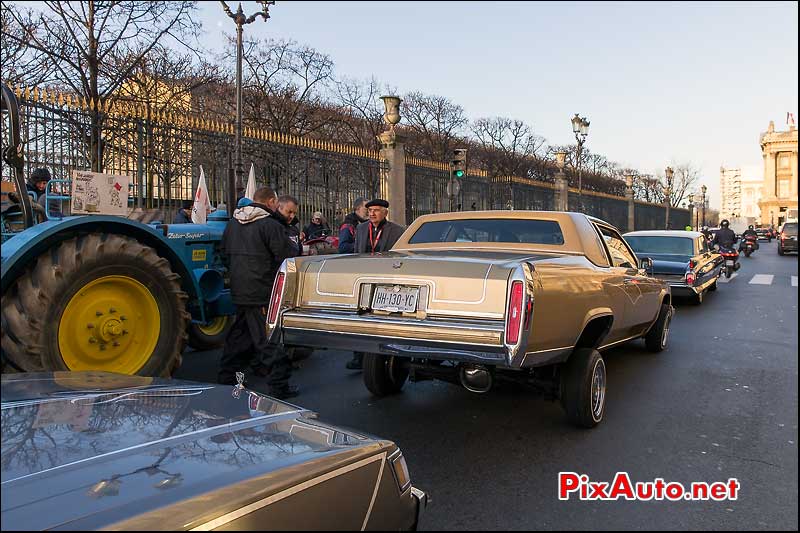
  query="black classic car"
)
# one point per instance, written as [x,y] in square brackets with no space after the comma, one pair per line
[681,258]
[91,450]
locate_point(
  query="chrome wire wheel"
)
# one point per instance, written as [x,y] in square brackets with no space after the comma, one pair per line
[598,391]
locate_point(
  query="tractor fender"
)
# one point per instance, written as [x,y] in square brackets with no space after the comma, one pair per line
[23,248]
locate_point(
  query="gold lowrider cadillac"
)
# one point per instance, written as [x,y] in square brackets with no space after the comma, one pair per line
[472,297]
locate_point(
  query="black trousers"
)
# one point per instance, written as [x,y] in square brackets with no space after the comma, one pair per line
[246,347]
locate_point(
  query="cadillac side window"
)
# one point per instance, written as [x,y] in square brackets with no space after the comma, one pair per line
[621,256]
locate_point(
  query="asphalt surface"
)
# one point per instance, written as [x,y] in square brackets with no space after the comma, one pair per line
[720,403]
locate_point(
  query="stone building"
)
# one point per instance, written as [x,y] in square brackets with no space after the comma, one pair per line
[779,195]
[730,188]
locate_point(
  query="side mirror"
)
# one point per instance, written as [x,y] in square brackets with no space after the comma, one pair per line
[647,265]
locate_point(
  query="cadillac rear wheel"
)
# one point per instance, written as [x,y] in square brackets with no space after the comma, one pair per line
[384,374]
[583,387]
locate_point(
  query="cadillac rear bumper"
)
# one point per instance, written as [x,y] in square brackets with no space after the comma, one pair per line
[477,341]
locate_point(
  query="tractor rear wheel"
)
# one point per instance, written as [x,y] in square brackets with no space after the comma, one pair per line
[96,302]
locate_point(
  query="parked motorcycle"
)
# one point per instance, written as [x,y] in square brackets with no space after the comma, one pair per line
[749,245]
[731,257]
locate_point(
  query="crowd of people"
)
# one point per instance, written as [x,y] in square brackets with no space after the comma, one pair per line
[261,234]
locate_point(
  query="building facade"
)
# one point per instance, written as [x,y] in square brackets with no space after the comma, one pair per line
[751,196]
[779,198]
[730,187]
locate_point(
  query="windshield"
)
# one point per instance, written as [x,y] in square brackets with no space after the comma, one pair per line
[661,245]
[790,228]
[504,230]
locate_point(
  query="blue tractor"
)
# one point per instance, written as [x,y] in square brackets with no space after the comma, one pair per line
[99,292]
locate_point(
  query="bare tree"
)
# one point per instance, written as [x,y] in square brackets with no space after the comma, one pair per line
[95,45]
[436,121]
[20,64]
[361,111]
[511,145]
[285,83]
[685,176]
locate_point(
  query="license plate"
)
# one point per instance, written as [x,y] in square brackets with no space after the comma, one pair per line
[395,298]
[730,262]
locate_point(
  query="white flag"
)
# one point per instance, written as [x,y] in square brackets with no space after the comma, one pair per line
[251,183]
[202,205]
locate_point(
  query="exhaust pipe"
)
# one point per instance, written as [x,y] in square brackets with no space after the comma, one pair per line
[475,378]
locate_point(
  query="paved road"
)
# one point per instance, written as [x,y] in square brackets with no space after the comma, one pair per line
[720,403]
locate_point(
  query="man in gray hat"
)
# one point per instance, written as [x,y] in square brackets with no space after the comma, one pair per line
[375,236]
[378,234]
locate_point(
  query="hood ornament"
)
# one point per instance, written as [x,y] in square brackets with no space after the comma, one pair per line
[239,387]
[397,264]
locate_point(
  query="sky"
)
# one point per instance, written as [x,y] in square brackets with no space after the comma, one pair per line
[661,83]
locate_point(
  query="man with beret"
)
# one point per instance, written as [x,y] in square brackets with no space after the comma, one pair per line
[375,236]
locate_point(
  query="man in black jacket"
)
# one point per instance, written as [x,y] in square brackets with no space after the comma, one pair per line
[347,231]
[374,237]
[725,237]
[255,243]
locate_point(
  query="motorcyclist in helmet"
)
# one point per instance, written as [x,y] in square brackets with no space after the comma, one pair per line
[725,237]
[749,232]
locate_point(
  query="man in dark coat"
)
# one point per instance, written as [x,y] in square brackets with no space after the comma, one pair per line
[184,214]
[347,231]
[379,235]
[317,228]
[374,237]
[255,243]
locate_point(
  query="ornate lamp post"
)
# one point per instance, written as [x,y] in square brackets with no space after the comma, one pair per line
[704,188]
[669,173]
[240,19]
[580,127]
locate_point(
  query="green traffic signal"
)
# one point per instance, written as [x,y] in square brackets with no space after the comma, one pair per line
[459,173]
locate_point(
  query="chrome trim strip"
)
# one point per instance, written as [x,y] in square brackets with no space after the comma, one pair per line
[391,280]
[255,506]
[609,345]
[231,426]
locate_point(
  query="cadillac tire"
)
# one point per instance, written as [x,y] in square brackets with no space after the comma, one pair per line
[583,387]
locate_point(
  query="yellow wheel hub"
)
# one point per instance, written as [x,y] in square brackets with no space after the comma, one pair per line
[215,327]
[111,324]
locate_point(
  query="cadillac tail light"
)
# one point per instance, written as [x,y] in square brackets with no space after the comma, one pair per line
[691,264]
[277,296]
[514,320]
[690,278]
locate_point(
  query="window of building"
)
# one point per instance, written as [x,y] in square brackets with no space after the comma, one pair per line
[783,160]
[783,188]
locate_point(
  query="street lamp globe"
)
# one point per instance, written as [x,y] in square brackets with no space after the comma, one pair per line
[577,122]
[585,127]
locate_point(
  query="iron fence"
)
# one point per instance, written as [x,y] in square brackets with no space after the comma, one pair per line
[163,153]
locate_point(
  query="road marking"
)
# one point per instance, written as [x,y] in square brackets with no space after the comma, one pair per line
[762,279]
[794,281]
[723,279]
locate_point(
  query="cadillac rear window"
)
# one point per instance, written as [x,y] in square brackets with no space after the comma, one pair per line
[504,230]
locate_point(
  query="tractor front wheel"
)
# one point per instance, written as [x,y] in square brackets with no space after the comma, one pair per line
[211,335]
[96,302]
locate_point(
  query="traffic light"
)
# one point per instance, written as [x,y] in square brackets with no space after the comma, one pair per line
[458,164]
